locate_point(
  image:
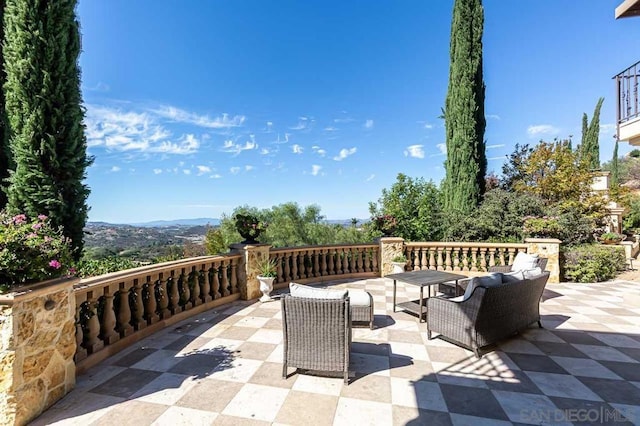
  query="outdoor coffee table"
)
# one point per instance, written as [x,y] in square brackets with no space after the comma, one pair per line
[421,278]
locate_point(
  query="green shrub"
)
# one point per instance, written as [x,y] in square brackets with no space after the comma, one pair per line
[593,263]
[93,267]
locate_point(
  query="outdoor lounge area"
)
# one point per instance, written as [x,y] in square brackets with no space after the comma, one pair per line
[224,366]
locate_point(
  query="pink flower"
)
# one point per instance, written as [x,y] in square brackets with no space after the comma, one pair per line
[32,235]
[55,264]
[42,217]
[72,271]
[19,219]
[37,226]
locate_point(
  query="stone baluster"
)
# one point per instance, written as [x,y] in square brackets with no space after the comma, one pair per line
[421,256]
[163,298]
[439,259]
[287,269]
[279,272]
[474,259]
[138,308]
[432,259]
[492,257]
[194,286]
[224,283]
[512,256]
[331,264]
[347,261]
[108,320]
[316,264]
[123,323]
[174,293]
[465,259]
[215,273]
[323,263]
[81,352]
[150,302]
[203,279]
[302,270]
[294,265]
[448,265]
[92,343]
[183,288]
[234,277]
[359,265]
[502,260]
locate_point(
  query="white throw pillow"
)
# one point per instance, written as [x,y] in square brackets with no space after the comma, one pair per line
[299,290]
[490,280]
[510,277]
[524,261]
[532,273]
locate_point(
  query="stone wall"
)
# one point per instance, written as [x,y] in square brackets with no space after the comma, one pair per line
[549,248]
[37,344]
[253,254]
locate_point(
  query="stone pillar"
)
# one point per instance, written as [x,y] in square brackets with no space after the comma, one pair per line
[37,345]
[390,247]
[549,248]
[252,255]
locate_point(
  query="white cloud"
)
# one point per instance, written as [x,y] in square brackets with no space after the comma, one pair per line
[500,157]
[303,124]
[297,149]
[542,129]
[248,167]
[157,171]
[119,130]
[182,116]
[493,116]
[215,176]
[321,152]
[186,171]
[428,126]
[443,148]
[203,169]
[344,120]
[232,147]
[370,178]
[330,129]
[344,153]
[414,151]
[264,151]
[100,87]
[115,169]
[315,169]
[234,170]
[368,124]
[499,145]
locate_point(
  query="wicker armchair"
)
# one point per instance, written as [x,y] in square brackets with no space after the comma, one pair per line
[542,264]
[317,334]
[489,315]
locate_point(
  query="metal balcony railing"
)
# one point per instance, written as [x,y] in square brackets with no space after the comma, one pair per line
[628,107]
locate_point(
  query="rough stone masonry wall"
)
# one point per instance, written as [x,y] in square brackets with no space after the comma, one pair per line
[36,351]
[390,247]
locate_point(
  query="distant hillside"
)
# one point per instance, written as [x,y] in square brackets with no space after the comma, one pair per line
[184,222]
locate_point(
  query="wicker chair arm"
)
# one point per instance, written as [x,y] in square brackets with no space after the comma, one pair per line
[500,268]
[445,314]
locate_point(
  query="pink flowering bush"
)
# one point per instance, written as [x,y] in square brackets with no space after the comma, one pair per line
[31,250]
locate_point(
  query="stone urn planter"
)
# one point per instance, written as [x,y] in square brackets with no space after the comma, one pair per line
[37,322]
[266,287]
[397,267]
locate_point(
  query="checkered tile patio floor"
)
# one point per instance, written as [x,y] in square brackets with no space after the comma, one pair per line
[224,367]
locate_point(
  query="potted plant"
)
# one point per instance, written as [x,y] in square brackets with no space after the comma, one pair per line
[398,263]
[386,224]
[249,227]
[612,238]
[267,270]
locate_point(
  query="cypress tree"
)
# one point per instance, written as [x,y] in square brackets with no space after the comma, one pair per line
[615,176]
[466,163]
[44,108]
[5,153]
[590,147]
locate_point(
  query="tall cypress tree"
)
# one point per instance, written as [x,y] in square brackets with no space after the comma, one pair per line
[44,107]
[466,163]
[5,153]
[590,146]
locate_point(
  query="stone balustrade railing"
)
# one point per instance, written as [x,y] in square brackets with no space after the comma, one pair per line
[461,257]
[118,309]
[322,263]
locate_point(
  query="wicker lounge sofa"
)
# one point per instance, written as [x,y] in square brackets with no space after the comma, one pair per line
[317,334]
[489,314]
[541,263]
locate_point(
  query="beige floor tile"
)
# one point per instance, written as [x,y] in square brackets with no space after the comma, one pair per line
[356,411]
[257,402]
[266,335]
[209,395]
[238,370]
[255,350]
[166,389]
[298,409]
[132,413]
[182,416]
[315,384]
[421,394]
[223,420]
[237,333]
[371,388]
[270,374]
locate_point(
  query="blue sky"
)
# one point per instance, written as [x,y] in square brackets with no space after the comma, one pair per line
[196,107]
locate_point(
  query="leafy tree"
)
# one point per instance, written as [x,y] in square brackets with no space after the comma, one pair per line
[214,241]
[44,108]
[416,206]
[513,169]
[615,172]
[590,147]
[466,163]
